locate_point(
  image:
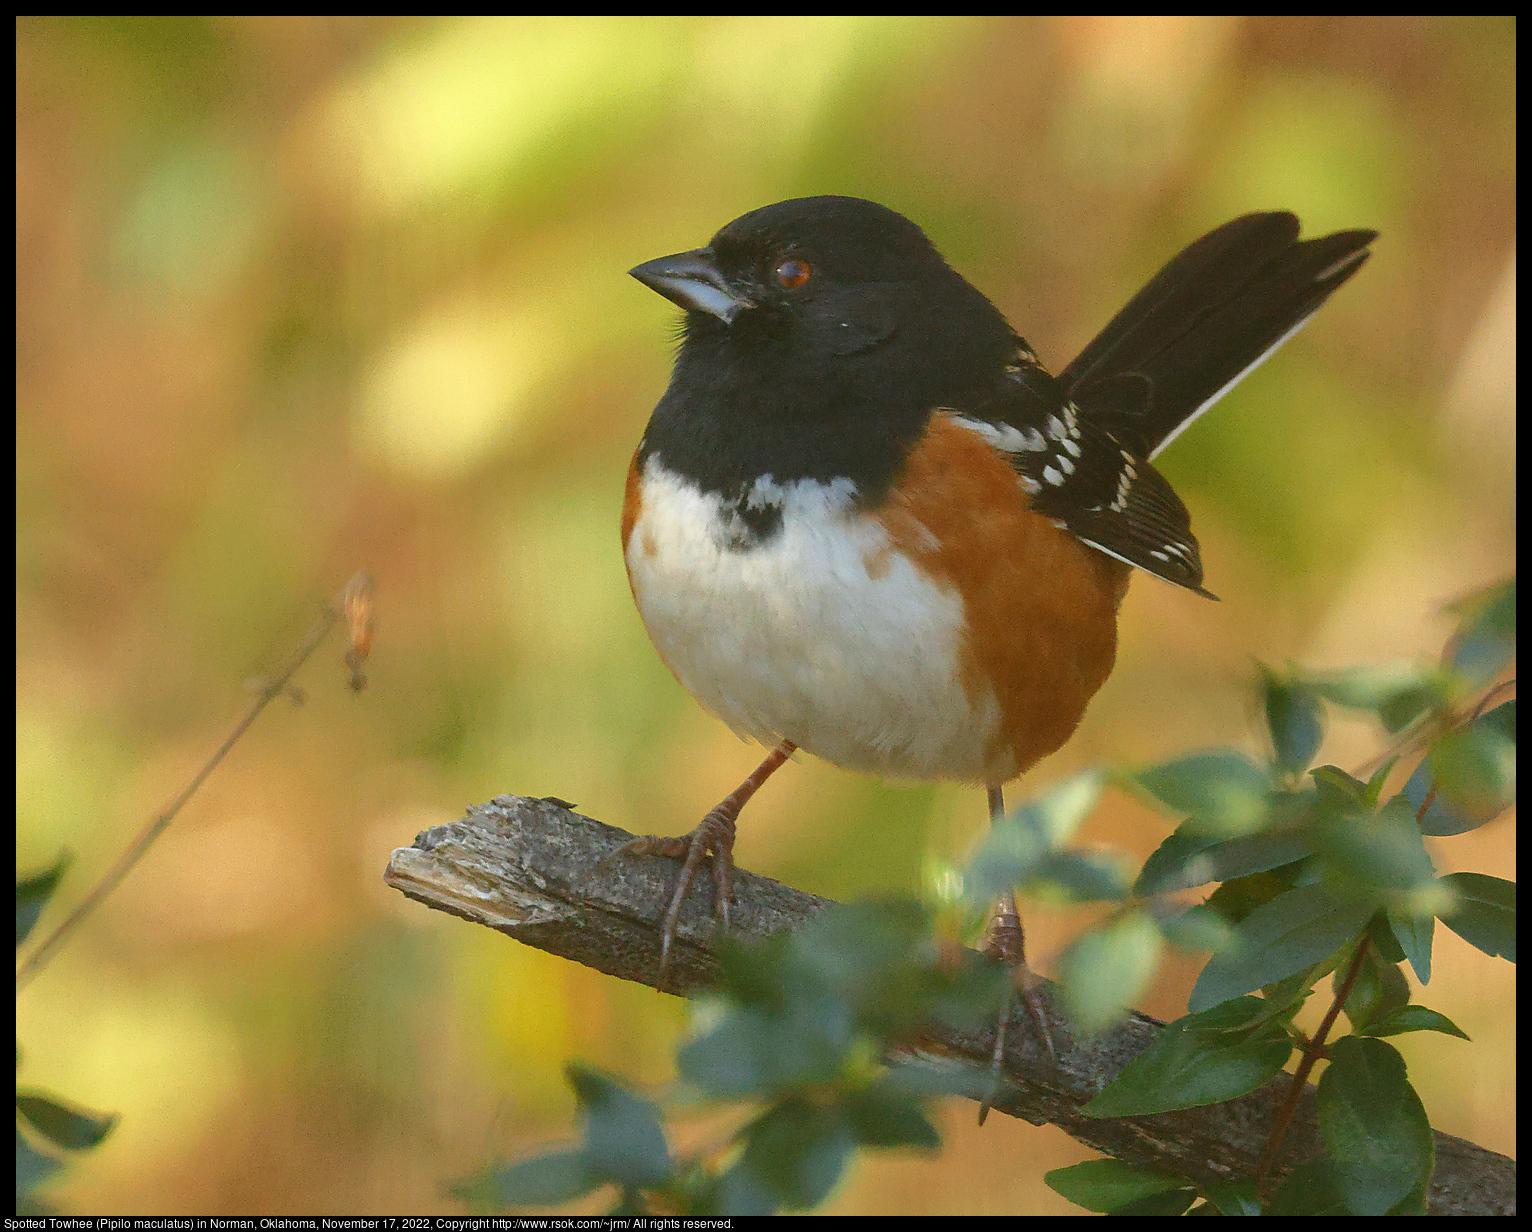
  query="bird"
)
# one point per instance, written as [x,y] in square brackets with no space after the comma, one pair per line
[866,522]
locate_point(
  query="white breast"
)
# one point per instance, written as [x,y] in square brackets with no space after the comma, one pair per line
[817,633]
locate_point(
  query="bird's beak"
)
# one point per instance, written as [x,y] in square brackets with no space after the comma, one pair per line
[691,279]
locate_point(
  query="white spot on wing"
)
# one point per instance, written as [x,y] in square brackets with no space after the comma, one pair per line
[1004,437]
[1119,556]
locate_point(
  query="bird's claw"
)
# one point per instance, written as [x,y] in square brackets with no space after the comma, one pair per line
[713,838]
[1005,944]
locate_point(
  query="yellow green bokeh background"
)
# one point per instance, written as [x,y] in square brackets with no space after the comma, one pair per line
[302,295]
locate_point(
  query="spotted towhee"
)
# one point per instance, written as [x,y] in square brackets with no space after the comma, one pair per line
[866,522]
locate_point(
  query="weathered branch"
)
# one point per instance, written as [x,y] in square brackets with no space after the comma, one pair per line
[548,877]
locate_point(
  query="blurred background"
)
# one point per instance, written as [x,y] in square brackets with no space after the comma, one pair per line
[302,295]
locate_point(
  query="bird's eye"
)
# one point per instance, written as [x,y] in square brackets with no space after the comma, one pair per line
[792,273]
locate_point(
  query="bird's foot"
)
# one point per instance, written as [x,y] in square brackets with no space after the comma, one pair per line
[1006,944]
[713,838]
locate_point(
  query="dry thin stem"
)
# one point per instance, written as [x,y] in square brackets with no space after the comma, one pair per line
[351,596]
[1412,740]
[1313,1049]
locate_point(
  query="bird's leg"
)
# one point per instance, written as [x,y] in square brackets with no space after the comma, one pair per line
[713,837]
[1007,942]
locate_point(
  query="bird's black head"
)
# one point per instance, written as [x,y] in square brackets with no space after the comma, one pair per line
[824,275]
[817,330]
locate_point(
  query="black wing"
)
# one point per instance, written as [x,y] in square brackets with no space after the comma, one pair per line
[1081,442]
[1083,476]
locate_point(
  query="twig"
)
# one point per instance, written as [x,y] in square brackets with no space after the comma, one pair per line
[1313,1049]
[352,601]
[1413,739]
[548,877]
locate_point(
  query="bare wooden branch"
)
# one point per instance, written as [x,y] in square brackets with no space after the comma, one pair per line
[549,877]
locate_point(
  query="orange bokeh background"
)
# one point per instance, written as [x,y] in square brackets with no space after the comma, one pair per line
[302,295]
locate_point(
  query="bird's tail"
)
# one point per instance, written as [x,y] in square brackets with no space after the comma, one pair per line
[1210,316]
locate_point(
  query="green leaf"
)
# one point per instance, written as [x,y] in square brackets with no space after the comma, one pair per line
[1414,1202]
[792,1004]
[734,1056]
[1413,936]
[751,1052]
[1312,1189]
[876,957]
[1236,1019]
[970,996]
[1199,928]
[1404,707]
[1018,842]
[1294,719]
[737,1192]
[1106,968]
[852,947]
[1380,932]
[543,1180]
[1486,639]
[1480,658]
[1474,767]
[1234,1197]
[1397,693]
[928,1076]
[1411,1018]
[1187,859]
[1379,778]
[1259,853]
[72,1128]
[1485,915]
[1237,898]
[1434,813]
[624,1138]
[32,1166]
[33,893]
[1287,935]
[1502,718]
[1380,858]
[1084,876]
[1336,787]
[1379,988]
[797,1152]
[1220,792]
[756,975]
[1179,863]
[884,1116]
[1187,1067]
[1103,1185]
[1171,1204]
[1373,1124]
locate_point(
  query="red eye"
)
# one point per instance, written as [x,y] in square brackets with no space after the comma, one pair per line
[792,273]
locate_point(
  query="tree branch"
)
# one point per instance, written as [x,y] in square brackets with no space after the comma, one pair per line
[548,877]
